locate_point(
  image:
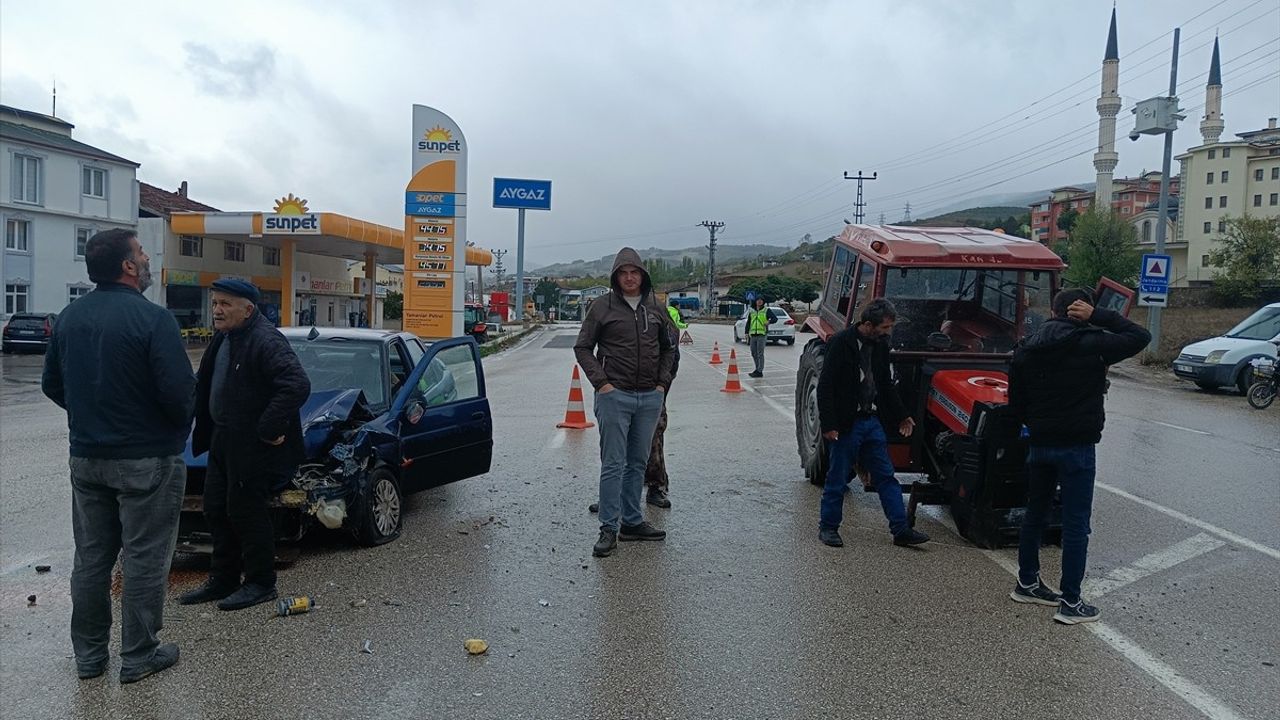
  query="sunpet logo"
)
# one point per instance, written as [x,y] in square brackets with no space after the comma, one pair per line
[439,140]
[291,217]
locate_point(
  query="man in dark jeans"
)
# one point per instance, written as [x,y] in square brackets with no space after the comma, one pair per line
[1056,386]
[117,365]
[856,394]
[250,387]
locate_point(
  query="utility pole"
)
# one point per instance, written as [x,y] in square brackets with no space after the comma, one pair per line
[881,218]
[859,205]
[1163,217]
[712,226]
[906,214]
[498,270]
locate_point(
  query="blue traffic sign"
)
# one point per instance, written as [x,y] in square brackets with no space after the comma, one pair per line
[1156,269]
[522,194]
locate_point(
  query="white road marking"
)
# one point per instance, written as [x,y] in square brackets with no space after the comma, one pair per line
[1192,694]
[1179,427]
[1153,563]
[557,440]
[1207,527]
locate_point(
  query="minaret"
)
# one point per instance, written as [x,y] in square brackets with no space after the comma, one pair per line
[1211,126]
[1104,161]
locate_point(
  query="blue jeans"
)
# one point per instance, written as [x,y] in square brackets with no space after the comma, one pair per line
[125,509]
[1072,468]
[866,443]
[627,421]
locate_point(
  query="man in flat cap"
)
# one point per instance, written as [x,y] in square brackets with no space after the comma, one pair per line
[249,389]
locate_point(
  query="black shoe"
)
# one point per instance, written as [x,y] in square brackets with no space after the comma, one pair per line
[593,508]
[910,536]
[248,595]
[89,671]
[166,657]
[755,374]
[1074,614]
[607,543]
[1036,594]
[830,536]
[658,498]
[643,531]
[208,591]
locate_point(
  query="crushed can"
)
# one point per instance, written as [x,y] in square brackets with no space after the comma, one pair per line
[294,605]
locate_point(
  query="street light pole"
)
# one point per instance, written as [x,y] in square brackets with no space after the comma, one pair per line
[1162,219]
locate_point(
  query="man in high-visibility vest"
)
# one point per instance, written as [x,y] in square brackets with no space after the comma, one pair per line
[758,322]
[656,481]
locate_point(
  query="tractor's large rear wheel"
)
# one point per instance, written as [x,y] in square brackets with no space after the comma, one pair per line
[813,450]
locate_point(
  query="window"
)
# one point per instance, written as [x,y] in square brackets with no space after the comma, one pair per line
[270,256]
[836,297]
[26,179]
[449,377]
[1222,201]
[1208,227]
[1208,203]
[191,246]
[1208,179]
[1146,231]
[75,292]
[17,235]
[1213,154]
[93,182]
[1257,200]
[1226,153]
[1222,226]
[1204,260]
[1124,210]
[1257,174]
[233,251]
[82,240]
[1275,173]
[1275,199]
[1225,175]
[15,298]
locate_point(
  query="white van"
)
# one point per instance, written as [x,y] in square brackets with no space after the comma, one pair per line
[1225,360]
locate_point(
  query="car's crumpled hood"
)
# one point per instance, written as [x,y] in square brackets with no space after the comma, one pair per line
[326,412]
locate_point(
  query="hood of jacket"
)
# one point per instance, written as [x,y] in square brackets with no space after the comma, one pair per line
[1054,334]
[628,256]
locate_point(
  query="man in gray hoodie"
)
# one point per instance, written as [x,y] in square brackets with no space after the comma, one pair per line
[625,351]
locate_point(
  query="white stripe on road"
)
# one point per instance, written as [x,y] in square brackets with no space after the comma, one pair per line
[1192,694]
[1179,427]
[557,440]
[1151,564]
[1207,527]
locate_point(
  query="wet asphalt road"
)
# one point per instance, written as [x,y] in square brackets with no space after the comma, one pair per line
[740,614]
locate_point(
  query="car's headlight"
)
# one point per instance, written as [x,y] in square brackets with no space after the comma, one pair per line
[1214,357]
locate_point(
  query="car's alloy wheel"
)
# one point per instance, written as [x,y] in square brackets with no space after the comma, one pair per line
[381,509]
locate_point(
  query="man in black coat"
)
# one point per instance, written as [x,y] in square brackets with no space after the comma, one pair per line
[856,394]
[1056,385]
[250,387]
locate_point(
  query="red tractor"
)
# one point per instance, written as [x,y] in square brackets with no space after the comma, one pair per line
[964,297]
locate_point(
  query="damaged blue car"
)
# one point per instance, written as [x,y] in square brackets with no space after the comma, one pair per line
[388,415]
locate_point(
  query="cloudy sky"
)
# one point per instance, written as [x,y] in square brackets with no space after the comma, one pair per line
[648,116]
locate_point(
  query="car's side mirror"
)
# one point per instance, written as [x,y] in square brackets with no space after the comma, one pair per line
[414,411]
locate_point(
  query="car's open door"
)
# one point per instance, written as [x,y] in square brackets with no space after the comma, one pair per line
[1113,296]
[443,418]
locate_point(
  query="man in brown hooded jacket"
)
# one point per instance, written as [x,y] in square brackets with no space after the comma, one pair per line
[625,351]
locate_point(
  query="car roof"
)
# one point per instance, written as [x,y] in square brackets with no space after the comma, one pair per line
[948,246]
[333,333]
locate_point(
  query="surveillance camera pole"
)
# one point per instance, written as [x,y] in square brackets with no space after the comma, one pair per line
[1163,218]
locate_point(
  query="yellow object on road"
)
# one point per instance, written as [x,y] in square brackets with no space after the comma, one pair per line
[476,647]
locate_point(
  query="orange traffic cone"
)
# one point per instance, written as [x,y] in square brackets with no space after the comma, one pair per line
[715,355]
[575,416]
[731,383]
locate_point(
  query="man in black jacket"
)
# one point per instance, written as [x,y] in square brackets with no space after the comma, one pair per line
[1056,385]
[855,394]
[250,387]
[118,367]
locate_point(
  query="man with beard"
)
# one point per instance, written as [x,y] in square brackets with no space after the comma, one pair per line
[117,365]
[250,387]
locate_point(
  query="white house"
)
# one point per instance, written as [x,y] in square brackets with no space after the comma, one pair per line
[55,193]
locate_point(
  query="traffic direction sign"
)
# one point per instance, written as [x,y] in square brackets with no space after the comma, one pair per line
[1153,299]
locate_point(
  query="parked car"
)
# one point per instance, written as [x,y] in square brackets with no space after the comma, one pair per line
[784,330]
[1224,360]
[28,331]
[388,415]
[474,322]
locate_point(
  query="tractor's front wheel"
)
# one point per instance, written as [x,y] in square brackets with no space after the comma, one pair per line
[813,449]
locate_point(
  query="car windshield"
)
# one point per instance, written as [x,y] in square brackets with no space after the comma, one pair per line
[336,364]
[966,309]
[1262,325]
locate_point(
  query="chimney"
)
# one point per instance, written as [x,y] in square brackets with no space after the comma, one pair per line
[1271,123]
[182,189]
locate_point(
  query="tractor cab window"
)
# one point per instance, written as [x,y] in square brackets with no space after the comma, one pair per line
[840,282]
[966,309]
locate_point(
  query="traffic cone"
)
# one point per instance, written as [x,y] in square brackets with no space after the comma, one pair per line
[715,355]
[731,383]
[575,416]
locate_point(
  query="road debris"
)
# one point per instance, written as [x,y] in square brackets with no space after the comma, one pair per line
[368,647]
[359,603]
[31,601]
[294,605]
[544,603]
[475,646]
[43,568]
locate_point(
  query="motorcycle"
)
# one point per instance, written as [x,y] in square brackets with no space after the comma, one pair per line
[1266,383]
